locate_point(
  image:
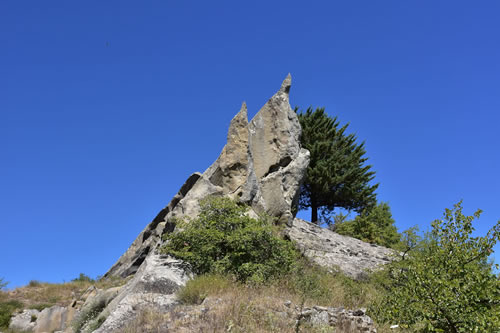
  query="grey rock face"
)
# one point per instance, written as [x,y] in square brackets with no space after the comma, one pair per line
[329,249]
[23,322]
[153,286]
[55,318]
[262,165]
[132,259]
[344,320]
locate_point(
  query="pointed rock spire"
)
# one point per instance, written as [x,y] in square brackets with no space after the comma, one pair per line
[287,83]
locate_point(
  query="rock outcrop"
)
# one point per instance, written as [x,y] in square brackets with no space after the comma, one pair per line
[329,249]
[261,165]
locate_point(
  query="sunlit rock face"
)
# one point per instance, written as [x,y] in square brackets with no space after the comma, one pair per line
[349,255]
[262,165]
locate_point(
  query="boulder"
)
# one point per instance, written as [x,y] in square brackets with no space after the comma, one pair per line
[55,318]
[24,321]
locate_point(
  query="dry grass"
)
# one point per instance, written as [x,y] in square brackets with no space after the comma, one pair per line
[41,294]
[228,306]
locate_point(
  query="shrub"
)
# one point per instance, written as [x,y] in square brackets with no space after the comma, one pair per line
[6,310]
[83,278]
[445,283]
[34,283]
[223,239]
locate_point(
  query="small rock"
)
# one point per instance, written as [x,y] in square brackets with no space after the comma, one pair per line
[320,308]
[320,318]
[288,303]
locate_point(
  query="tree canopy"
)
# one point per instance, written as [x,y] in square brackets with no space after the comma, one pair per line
[337,175]
[444,283]
[374,225]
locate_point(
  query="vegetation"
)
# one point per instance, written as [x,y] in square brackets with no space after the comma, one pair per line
[7,308]
[224,240]
[40,295]
[84,278]
[374,225]
[242,307]
[337,175]
[444,283]
[89,318]
[3,284]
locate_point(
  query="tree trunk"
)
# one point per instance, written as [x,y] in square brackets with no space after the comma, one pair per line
[314,211]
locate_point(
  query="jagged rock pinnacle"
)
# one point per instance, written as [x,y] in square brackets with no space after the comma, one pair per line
[287,83]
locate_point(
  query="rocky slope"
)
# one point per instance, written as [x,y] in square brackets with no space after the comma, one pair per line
[329,249]
[262,165]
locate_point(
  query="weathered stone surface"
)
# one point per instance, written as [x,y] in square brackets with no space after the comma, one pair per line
[344,320]
[262,165]
[153,286]
[23,322]
[132,259]
[55,318]
[329,249]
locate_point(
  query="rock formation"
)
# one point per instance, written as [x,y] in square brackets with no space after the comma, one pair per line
[262,165]
[329,249]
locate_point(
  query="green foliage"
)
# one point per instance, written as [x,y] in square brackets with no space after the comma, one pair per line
[34,283]
[337,175]
[7,308]
[374,225]
[317,285]
[83,278]
[222,239]
[444,283]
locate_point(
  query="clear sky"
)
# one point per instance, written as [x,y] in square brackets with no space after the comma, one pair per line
[106,107]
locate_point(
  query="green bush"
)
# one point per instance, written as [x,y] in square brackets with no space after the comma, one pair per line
[83,278]
[444,283]
[223,239]
[6,310]
[34,283]
[374,225]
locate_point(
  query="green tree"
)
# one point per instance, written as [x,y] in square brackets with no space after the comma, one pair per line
[374,225]
[223,239]
[445,283]
[337,175]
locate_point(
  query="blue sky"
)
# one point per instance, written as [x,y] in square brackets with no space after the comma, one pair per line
[106,107]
